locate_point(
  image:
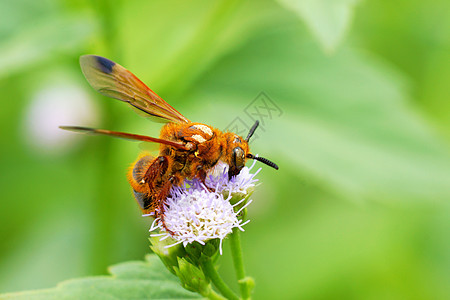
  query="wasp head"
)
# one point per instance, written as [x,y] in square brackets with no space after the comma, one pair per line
[239,152]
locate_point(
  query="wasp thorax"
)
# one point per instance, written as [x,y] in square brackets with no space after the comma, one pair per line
[199,133]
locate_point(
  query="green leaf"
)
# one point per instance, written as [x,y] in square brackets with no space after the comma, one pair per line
[130,280]
[328,20]
[43,39]
[346,120]
[180,54]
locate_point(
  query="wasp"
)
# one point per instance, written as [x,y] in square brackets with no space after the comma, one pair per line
[187,149]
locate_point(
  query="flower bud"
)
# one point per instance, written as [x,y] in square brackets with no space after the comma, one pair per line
[168,255]
[194,252]
[192,278]
[211,247]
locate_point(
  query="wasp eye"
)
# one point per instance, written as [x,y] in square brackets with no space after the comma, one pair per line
[238,158]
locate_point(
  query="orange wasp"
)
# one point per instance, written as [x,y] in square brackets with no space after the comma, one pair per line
[187,149]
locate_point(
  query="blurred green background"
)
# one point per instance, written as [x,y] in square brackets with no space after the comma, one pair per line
[359,208]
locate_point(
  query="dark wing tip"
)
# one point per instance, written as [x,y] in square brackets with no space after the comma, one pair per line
[105,65]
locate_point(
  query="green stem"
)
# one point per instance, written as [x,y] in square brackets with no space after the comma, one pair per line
[211,272]
[211,294]
[238,261]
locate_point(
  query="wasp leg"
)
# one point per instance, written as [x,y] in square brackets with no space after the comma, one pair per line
[157,168]
[152,178]
[163,194]
[201,175]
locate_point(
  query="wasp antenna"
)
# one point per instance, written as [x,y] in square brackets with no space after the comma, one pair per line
[252,130]
[267,162]
[263,160]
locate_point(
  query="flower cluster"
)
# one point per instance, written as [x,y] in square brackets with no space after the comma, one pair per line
[197,212]
[239,185]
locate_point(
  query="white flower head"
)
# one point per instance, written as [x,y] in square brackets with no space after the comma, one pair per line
[240,185]
[197,212]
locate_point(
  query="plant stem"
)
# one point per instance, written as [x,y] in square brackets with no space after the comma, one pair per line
[213,295]
[238,261]
[211,272]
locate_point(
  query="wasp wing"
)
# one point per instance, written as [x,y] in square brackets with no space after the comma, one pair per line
[113,80]
[123,135]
